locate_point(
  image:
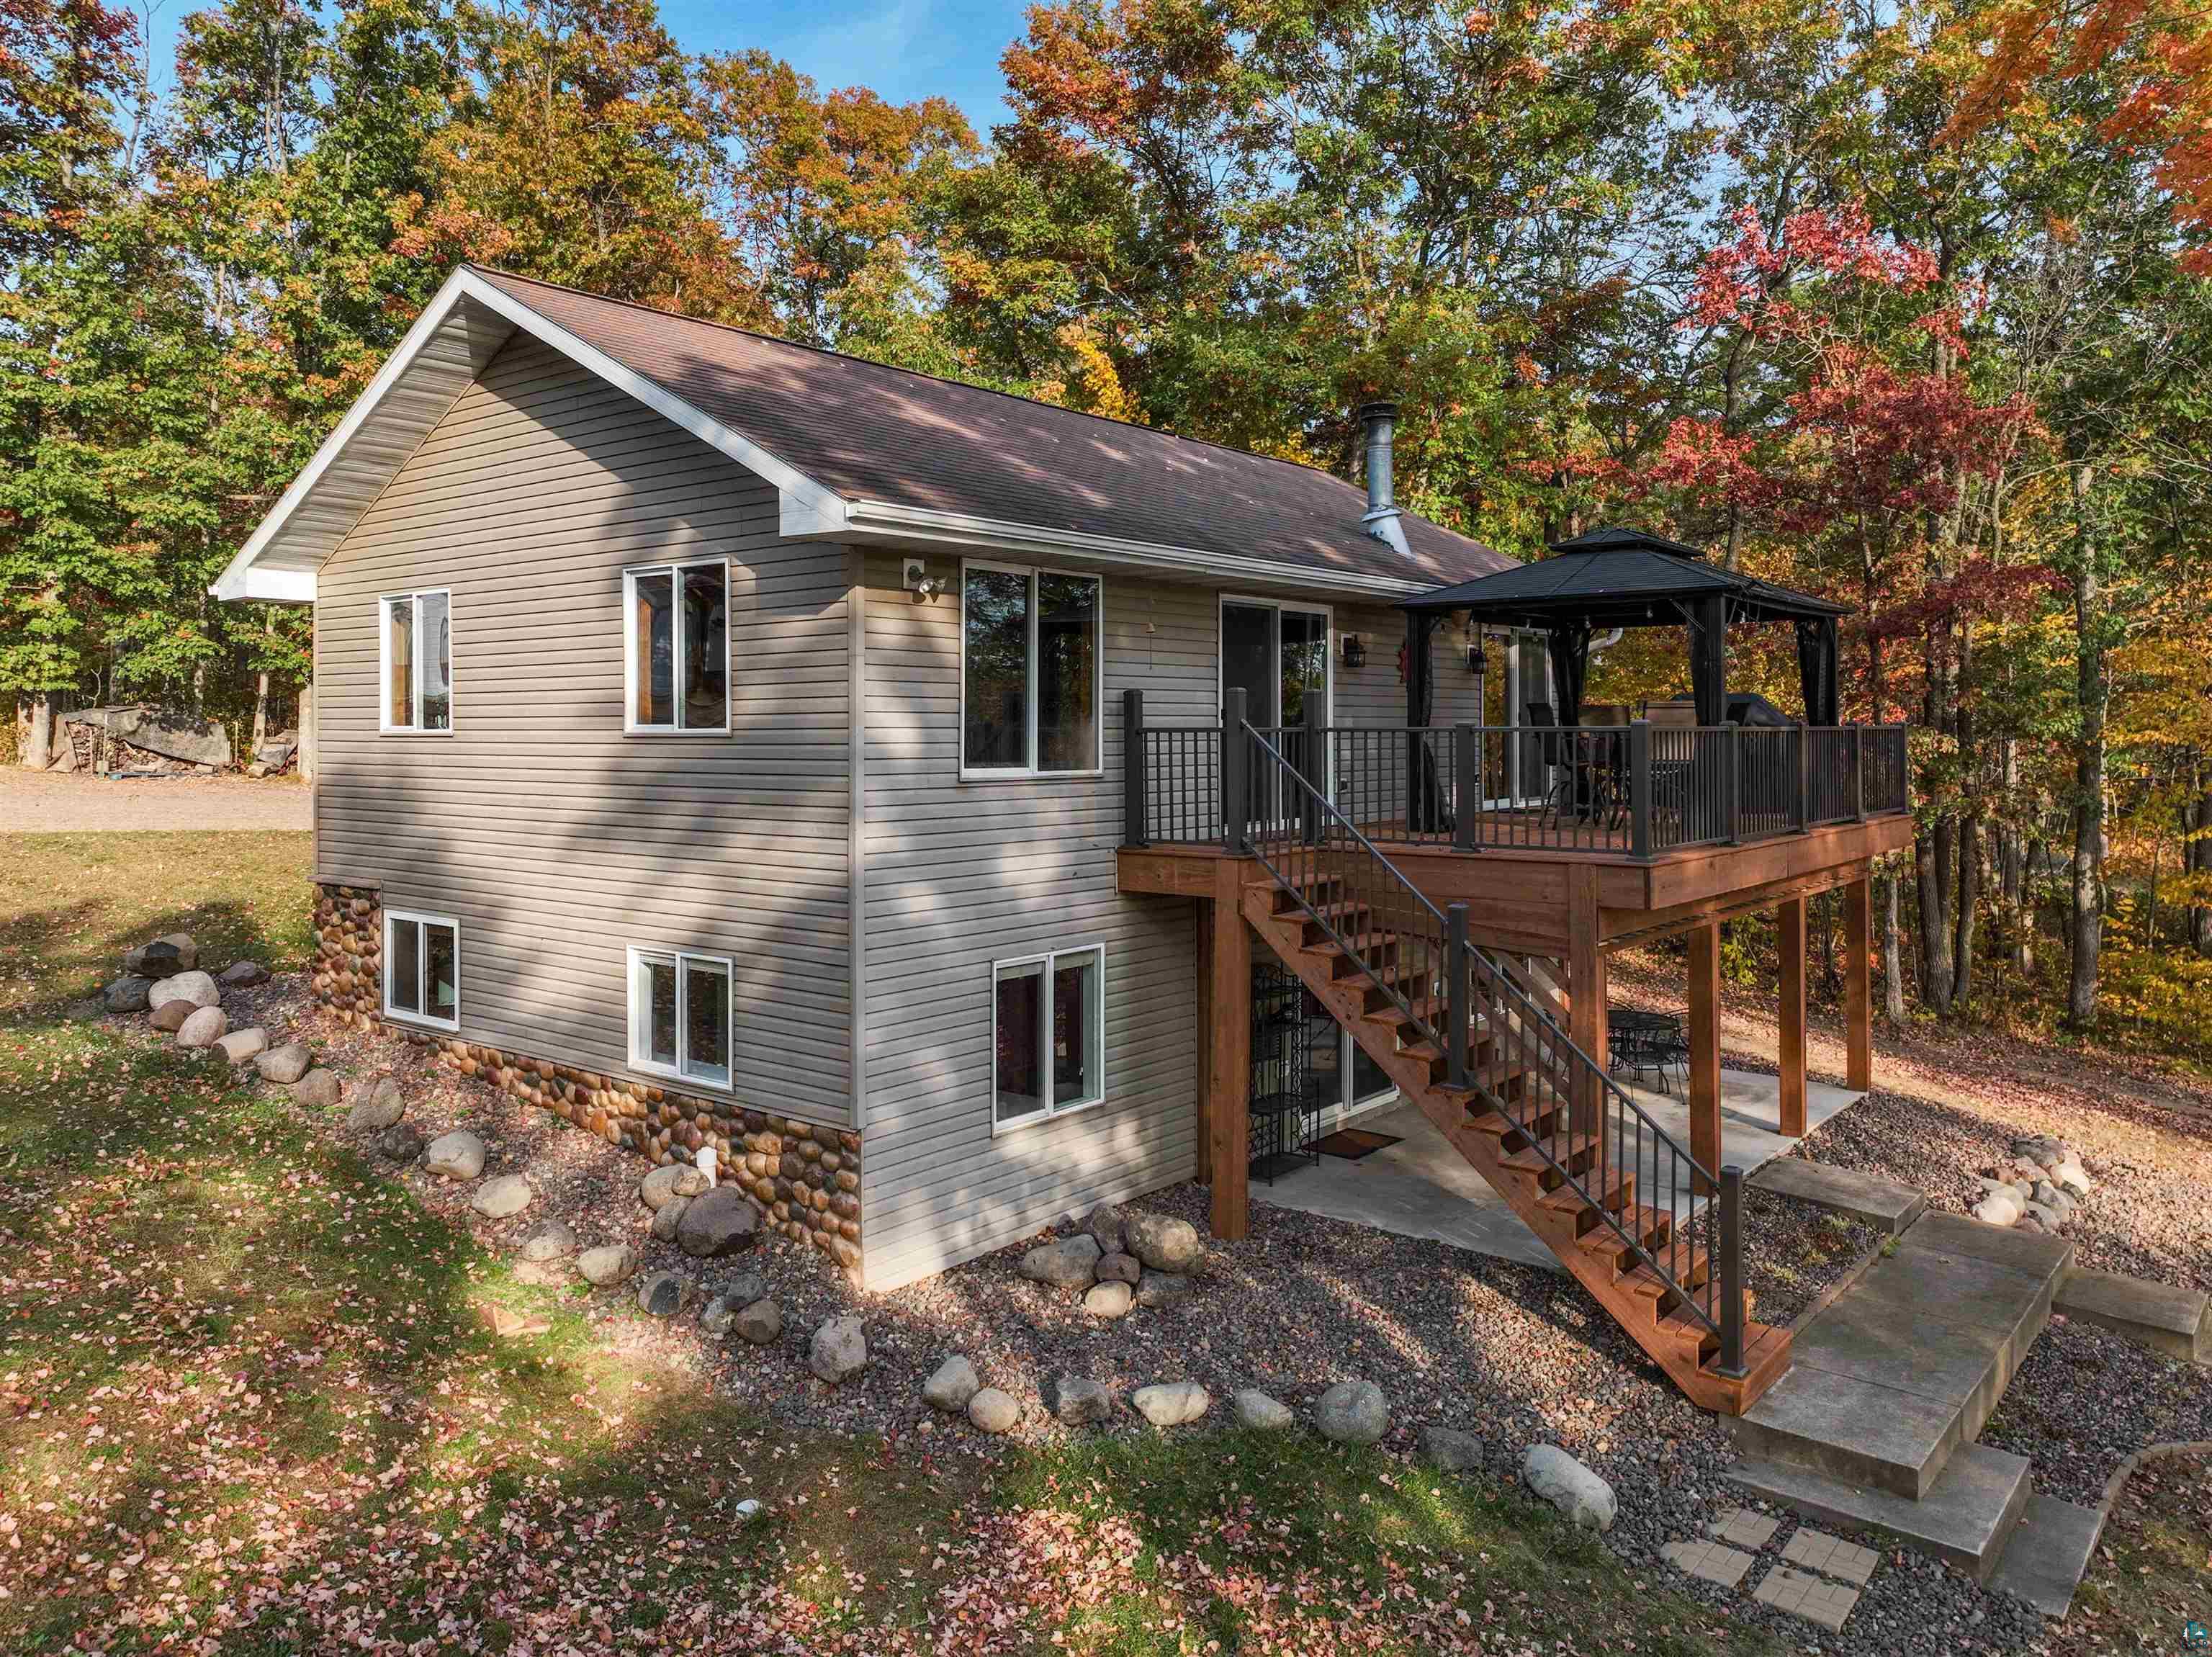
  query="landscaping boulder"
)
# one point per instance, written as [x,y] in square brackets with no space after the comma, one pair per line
[239,1046]
[761,1323]
[1164,1245]
[608,1264]
[1586,1500]
[1120,1269]
[742,1290]
[456,1155]
[1352,1412]
[1103,1223]
[318,1089]
[174,952]
[667,1217]
[716,1317]
[1453,1452]
[719,1221]
[403,1141]
[169,1017]
[1077,1400]
[551,1239]
[502,1198]
[383,1107]
[1254,1408]
[2001,1206]
[1110,1300]
[992,1411]
[242,975]
[839,1350]
[662,1294]
[1171,1403]
[286,1063]
[1070,1263]
[128,994]
[206,1026]
[197,987]
[1159,1289]
[951,1385]
[677,1179]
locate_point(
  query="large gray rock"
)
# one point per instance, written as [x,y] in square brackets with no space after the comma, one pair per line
[1585,1499]
[242,975]
[717,1316]
[1110,1300]
[1070,1263]
[318,1090]
[403,1141]
[761,1323]
[551,1239]
[994,1413]
[1256,1409]
[677,1179]
[169,731]
[286,1063]
[1120,1269]
[1171,1403]
[197,987]
[169,1017]
[502,1198]
[128,994]
[717,1222]
[1077,1400]
[1352,1412]
[383,1107]
[611,1264]
[662,1294]
[1453,1452]
[456,1155]
[1164,1245]
[239,1046]
[1161,1290]
[667,1217]
[173,951]
[951,1385]
[839,1350]
[206,1026]
[742,1290]
[1104,1223]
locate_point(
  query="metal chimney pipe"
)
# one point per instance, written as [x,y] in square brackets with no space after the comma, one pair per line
[1381,518]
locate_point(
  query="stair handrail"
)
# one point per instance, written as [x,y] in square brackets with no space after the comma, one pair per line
[1724,1318]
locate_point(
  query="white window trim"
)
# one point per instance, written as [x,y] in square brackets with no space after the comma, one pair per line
[1029,772]
[383,725]
[631,726]
[1053,1111]
[639,1015]
[422,967]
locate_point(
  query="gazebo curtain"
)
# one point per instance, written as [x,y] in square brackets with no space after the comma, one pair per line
[1709,660]
[1570,656]
[1816,669]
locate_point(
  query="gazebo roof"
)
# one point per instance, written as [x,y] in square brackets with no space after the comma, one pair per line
[1620,577]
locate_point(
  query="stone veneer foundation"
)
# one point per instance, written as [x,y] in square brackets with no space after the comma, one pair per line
[804,1179]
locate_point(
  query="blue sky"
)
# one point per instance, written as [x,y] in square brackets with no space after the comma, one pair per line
[905,49]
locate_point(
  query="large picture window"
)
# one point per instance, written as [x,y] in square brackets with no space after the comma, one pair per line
[677,647]
[679,1014]
[1029,671]
[1048,1035]
[418,662]
[423,968]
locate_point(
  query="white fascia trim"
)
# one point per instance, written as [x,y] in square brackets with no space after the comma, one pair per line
[271,586]
[884,523]
[804,502]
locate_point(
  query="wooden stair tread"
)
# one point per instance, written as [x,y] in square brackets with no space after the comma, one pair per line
[1566,1199]
[1562,1148]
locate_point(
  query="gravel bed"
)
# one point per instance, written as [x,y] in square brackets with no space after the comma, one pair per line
[1794,1253]
[2085,1399]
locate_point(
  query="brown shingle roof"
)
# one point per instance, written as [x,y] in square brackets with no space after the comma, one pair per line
[868,432]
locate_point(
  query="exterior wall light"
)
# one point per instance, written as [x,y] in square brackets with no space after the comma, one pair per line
[1355,653]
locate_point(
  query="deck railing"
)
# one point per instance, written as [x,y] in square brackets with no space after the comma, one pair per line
[1637,789]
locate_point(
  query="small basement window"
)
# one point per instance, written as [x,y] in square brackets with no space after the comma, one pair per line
[1048,1035]
[1028,671]
[423,968]
[417,653]
[676,647]
[679,1014]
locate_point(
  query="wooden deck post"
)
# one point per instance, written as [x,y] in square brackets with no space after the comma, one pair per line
[1790,913]
[1586,994]
[1858,984]
[1705,1048]
[1229,1050]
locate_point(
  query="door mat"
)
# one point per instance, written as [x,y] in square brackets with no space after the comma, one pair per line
[1352,1144]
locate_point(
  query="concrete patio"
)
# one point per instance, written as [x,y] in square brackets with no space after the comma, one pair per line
[1421,1187]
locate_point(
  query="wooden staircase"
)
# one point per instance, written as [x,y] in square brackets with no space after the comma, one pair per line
[1539,1120]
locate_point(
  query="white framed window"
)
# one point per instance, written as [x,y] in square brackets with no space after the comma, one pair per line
[416,654]
[675,647]
[1031,671]
[1048,1035]
[423,968]
[680,1021]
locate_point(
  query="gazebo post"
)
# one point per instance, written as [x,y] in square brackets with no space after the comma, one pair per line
[1709,660]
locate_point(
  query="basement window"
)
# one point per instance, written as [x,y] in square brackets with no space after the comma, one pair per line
[1048,1035]
[677,648]
[423,968]
[679,1014]
[417,659]
[1029,666]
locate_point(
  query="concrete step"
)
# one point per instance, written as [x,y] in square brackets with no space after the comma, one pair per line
[1880,1203]
[1966,1518]
[2049,1549]
[2175,1321]
[1889,1380]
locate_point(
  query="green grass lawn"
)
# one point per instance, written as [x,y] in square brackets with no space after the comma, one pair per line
[248,1402]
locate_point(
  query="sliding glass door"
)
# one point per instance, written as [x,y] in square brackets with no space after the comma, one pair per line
[1278,655]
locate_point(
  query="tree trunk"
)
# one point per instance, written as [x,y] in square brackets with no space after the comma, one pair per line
[307,719]
[1893,954]
[260,712]
[2197,858]
[1933,853]
[1968,906]
[2089,695]
[36,750]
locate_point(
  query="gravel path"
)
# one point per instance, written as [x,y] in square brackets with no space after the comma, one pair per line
[58,802]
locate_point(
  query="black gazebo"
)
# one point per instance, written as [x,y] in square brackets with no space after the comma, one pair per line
[1621,577]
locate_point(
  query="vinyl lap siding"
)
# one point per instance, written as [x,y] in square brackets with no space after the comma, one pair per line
[556,840]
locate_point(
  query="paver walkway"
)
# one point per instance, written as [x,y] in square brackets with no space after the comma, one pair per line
[71,803]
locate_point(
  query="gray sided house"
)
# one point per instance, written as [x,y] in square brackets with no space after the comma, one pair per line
[722,743]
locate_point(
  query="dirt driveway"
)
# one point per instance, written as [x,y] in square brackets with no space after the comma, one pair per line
[56,803]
